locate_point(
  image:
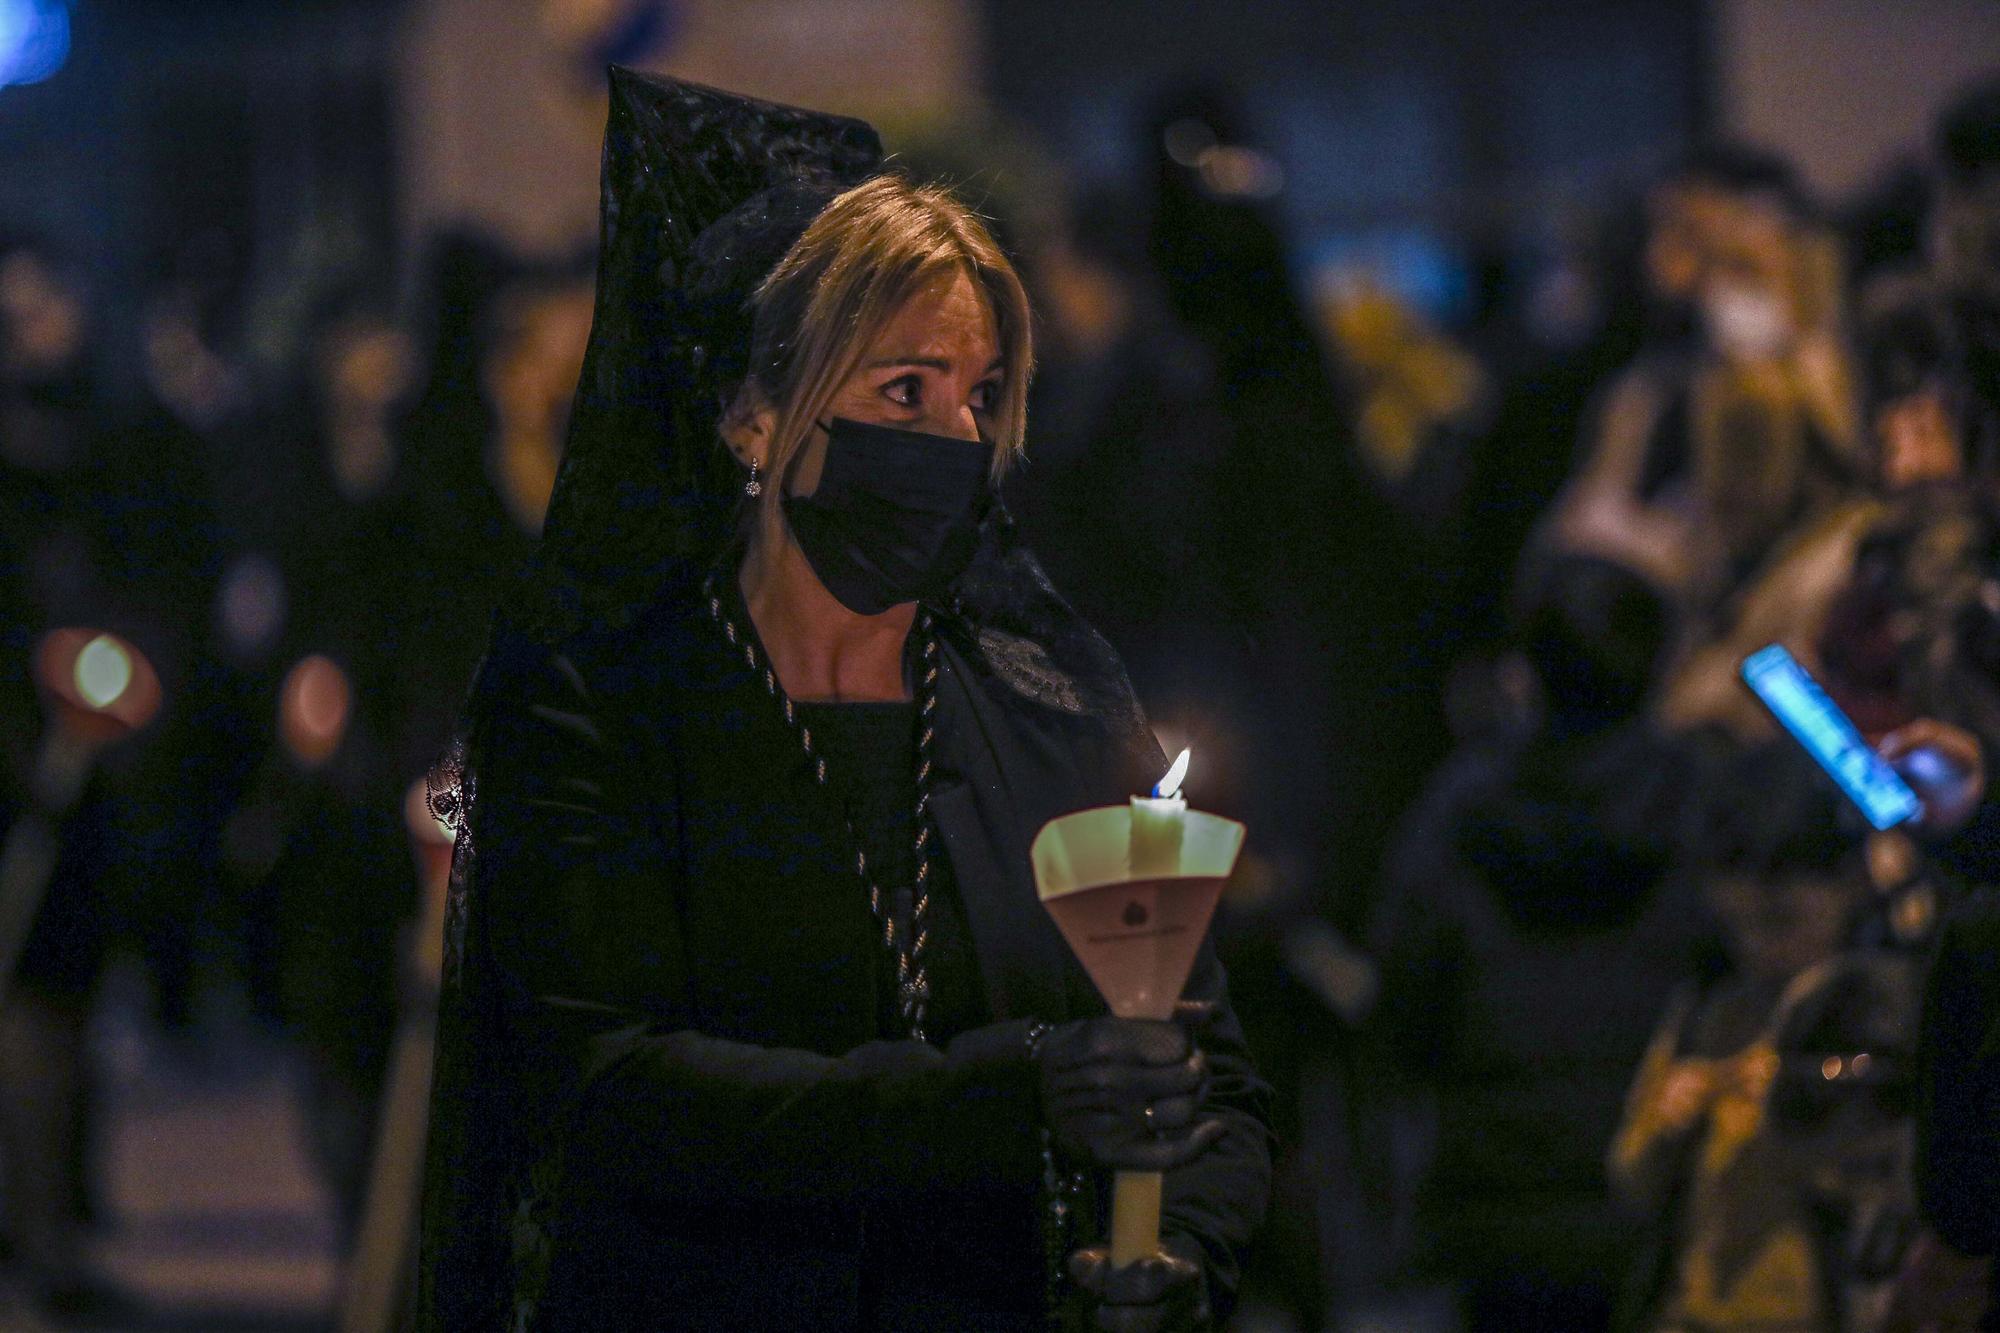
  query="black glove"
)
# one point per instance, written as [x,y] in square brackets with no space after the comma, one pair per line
[1123,1093]
[1161,1293]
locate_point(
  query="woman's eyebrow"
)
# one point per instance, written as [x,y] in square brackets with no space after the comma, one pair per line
[930,363]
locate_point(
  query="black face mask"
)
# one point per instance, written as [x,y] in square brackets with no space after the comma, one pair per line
[896,515]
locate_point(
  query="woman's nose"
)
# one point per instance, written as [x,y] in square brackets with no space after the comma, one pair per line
[961,424]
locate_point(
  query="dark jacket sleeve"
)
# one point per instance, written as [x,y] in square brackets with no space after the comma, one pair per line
[1220,1198]
[1974,851]
[1958,1135]
[573,825]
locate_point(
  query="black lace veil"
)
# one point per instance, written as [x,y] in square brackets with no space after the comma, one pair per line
[703,192]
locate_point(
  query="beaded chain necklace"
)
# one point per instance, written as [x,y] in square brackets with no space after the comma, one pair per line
[1062,1190]
[906,942]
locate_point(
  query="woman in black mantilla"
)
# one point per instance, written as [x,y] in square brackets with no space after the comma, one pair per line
[753,1018]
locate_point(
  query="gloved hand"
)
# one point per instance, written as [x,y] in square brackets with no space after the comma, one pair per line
[1162,1293]
[1124,1093]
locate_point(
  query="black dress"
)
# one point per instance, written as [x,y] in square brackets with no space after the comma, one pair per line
[709,1121]
[871,754]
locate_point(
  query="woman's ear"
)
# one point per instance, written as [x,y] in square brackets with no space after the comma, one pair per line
[747,428]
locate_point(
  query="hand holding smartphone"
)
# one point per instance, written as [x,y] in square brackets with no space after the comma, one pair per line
[1803,708]
[1945,764]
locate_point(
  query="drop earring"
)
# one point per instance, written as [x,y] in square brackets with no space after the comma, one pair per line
[753,487]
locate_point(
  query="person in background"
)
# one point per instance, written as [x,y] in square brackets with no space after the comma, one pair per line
[1842,1104]
[1524,888]
[182,476]
[1585,318]
[1115,499]
[111,522]
[1712,444]
[1345,724]
[1699,1152]
[1840,590]
[1420,398]
[53,567]
[442,432]
[1302,689]
[321,851]
[540,326]
[1964,240]
[481,437]
[1126,398]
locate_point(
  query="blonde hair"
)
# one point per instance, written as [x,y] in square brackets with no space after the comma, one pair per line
[843,280]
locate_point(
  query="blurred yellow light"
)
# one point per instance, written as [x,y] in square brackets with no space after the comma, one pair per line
[103,671]
[1829,1068]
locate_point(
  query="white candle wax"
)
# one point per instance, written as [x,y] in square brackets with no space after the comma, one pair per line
[1158,823]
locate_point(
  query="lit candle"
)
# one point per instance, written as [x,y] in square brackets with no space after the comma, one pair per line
[1132,891]
[1159,822]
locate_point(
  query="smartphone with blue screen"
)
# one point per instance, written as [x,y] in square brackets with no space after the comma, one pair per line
[1797,701]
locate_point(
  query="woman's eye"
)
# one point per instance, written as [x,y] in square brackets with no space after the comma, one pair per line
[904,392]
[986,397]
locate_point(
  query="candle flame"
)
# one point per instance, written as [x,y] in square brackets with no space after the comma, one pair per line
[103,672]
[1169,786]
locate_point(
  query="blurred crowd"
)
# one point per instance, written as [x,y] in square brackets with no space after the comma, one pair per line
[305,557]
[1588,1001]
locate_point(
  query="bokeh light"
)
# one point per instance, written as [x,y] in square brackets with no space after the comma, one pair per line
[103,671]
[252,603]
[34,40]
[313,709]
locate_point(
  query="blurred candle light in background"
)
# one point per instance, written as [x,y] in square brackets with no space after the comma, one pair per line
[251,606]
[103,671]
[101,686]
[1229,171]
[1232,171]
[312,709]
